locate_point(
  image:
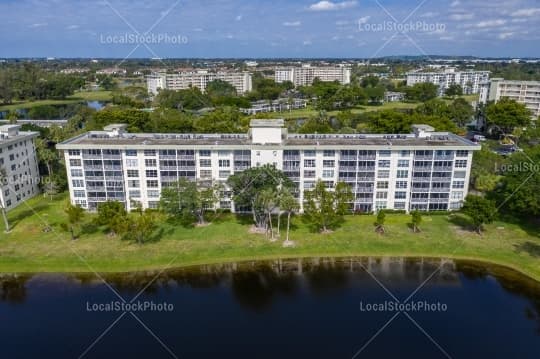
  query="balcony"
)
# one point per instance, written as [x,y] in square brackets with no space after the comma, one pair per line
[444,157]
[291,158]
[423,158]
[348,158]
[366,169]
[167,157]
[443,168]
[367,157]
[114,168]
[422,168]
[347,168]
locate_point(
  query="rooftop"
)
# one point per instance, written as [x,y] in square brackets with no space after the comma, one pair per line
[119,139]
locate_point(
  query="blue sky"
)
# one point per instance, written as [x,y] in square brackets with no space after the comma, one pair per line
[260,28]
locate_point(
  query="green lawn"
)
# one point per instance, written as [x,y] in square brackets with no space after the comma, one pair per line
[77,97]
[28,249]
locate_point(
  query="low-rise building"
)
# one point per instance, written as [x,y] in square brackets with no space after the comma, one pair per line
[19,176]
[525,92]
[279,105]
[391,96]
[472,82]
[200,79]
[306,74]
[424,170]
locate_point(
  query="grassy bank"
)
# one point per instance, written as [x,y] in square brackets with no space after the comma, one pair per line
[77,97]
[28,249]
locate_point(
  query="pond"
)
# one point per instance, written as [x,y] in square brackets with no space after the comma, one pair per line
[304,308]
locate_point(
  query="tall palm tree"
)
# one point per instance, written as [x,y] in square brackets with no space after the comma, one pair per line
[289,204]
[2,205]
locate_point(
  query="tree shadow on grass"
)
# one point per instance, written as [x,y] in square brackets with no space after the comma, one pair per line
[530,225]
[462,222]
[533,249]
[24,214]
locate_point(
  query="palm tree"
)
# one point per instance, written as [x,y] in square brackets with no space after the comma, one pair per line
[268,202]
[2,205]
[75,215]
[289,204]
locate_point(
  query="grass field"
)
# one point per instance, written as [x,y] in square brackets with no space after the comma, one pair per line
[77,97]
[28,249]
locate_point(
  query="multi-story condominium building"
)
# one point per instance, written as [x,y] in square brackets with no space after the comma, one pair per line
[425,170]
[279,105]
[391,96]
[184,80]
[304,76]
[525,92]
[472,82]
[19,173]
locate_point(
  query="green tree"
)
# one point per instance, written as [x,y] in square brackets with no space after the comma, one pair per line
[323,208]
[113,215]
[454,90]
[141,226]
[248,185]
[422,91]
[416,220]
[75,214]
[507,115]
[480,210]
[379,222]
[461,111]
[289,204]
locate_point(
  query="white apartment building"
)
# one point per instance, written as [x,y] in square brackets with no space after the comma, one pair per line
[304,76]
[425,170]
[19,179]
[472,82]
[525,92]
[200,79]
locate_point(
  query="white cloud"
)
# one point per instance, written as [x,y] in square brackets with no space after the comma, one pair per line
[526,12]
[329,5]
[292,23]
[238,18]
[342,22]
[42,24]
[460,17]
[455,3]
[307,42]
[446,38]
[429,14]
[491,23]
[335,38]
[505,35]
[363,20]
[198,29]
[72,27]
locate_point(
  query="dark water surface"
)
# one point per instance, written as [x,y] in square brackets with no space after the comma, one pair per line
[310,308]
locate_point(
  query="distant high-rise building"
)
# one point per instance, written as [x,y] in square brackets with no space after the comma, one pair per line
[304,76]
[200,79]
[19,176]
[472,82]
[525,92]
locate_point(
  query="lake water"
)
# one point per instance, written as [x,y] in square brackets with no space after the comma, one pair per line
[309,308]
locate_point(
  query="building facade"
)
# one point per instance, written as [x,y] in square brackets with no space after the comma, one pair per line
[472,82]
[304,76]
[279,105]
[525,92]
[425,170]
[200,79]
[19,177]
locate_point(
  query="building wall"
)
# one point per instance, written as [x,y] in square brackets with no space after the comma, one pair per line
[477,80]
[525,92]
[181,81]
[18,160]
[304,76]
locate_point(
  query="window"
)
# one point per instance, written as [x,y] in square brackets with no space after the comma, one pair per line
[134,194]
[382,185]
[400,195]
[131,153]
[153,194]
[149,162]
[204,153]
[224,163]
[309,153]
[149,152]
[328,184]
[224,153]
[76,173]
[152,184]
[380,205]
[385,153]
[309,163]
[224,174]
[75,162]
[309,174]
[206,174]
[384,163]
[405,153]
[79,194]
[399,205]
[77,183]
[461,153]
[151,173]
[383,174]
[309,185]
[205,162]
[402,174]
[153,204]
[459,174]
[328,173]
[458,184]
[134,183]
[132,162]
[457,195]
[329,163]
[382,195]
[461,164]
[401,184]
[73,152]
[403,163]
[329,153]
[455,205]
[132,173]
